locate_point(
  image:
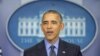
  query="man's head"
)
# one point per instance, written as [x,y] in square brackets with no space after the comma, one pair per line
[51,24]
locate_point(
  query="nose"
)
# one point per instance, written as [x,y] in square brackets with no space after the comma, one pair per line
[49,26]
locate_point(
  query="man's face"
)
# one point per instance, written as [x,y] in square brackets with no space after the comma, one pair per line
[51,26]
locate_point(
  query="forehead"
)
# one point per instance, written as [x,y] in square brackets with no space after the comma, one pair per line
[51,16]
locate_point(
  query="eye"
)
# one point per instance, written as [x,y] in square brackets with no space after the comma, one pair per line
[44,22]
[54,22]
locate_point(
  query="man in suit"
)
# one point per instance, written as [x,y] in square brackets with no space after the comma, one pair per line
[52,45]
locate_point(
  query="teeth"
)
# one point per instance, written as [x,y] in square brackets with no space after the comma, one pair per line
[50,32]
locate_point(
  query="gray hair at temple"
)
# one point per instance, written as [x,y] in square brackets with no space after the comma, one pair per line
[53,11]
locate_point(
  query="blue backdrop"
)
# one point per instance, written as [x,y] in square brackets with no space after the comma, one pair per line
[8,7]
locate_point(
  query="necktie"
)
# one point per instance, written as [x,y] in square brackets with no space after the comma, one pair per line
[52,52]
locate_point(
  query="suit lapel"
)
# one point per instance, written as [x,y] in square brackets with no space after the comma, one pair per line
[62,49]
[42,49]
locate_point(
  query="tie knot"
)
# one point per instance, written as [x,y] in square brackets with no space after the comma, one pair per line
[52,47]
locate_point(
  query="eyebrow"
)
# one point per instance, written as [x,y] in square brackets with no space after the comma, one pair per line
[47,21]
[53,21]
[44,21]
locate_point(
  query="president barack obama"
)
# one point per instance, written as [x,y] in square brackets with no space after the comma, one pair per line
[52,45]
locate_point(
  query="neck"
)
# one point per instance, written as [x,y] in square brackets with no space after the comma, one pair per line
[53,41]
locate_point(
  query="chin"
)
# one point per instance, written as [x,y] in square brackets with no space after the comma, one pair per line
[50,39]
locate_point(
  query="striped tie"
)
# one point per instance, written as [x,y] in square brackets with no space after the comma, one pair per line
[52,52]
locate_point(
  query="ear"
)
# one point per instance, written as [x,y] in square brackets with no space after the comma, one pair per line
[41,26]
[62,26]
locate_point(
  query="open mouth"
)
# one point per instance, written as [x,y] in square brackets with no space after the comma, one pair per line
[49,32]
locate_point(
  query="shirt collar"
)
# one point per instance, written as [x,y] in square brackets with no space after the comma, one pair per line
[47,44]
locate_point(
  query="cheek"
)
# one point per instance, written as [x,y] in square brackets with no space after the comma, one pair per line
[43,28]
[57,29]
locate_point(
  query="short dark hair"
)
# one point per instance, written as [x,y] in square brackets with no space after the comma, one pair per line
[52,11]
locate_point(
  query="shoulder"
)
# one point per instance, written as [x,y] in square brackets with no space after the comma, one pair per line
[70,45]
[33,49]
[71,49]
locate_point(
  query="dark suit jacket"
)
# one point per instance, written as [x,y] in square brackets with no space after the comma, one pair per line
[65,49]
